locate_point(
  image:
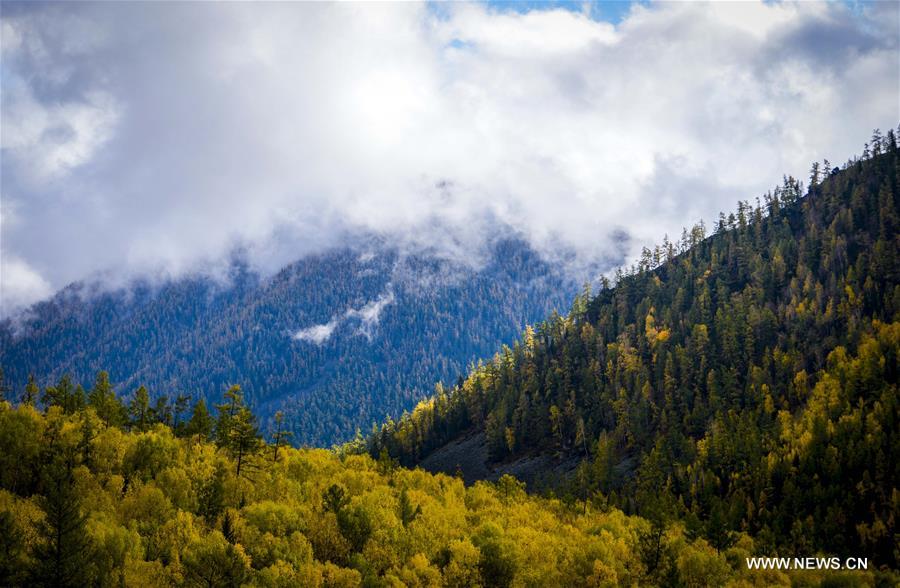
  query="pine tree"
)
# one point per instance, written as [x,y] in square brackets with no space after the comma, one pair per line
[814,175]
[717,530]
[335,499]
[234,402]
[103,399]
[32,392]
[228,527]
[86,442]
[78,400]
[4,389]
[243,439]
[12,550]
[63,557]
[139,409]
[280,437]
[178,410]
[162,411]
[407,512]
[211,496]
[200,423]
[64,395]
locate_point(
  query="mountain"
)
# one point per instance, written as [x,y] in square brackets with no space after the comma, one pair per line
[336,341]
[742,381]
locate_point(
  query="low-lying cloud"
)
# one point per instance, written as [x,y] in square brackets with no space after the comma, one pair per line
[156,138]
[364,319]
[317,334]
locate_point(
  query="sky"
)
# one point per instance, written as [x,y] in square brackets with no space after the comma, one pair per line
[153,140]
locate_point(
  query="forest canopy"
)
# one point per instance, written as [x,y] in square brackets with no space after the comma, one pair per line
[85,503]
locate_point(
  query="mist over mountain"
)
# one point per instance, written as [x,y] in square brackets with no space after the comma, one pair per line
[336,341]
[149,140]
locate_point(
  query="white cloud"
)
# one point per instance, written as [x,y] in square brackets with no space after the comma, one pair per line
[20,285]
[47,141]
[366,316]
[158,137]
[317,334]
[370,313]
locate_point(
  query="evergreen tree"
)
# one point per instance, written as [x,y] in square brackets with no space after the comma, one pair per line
[4,388]
[139,410]
[280,437]
[200,423]
[234,402]
[178,409]
[104,401]
[86,441]
[63,556]
[335,499]
[814,175]
[12,551]
[32,392]
[407,512]
[211,496]
[243,439]
[162,411]
[64,395]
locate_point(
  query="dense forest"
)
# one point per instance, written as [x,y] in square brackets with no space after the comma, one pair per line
[94,493]
[391,325]
[741,382]
[731,395]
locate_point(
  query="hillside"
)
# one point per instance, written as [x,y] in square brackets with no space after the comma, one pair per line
[335,341]
[739,381]
[87,504]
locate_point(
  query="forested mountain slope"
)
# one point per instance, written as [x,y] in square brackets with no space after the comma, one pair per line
[745,380]
[336,341]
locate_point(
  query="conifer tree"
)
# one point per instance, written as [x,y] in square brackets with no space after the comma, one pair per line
[12,551]
[280,437]
[243,439]
[4,388]
[408,513]
[200,423]
[32,392]
[233,403]
[64,554]
[162,411]
[104,401]
[211,496]
[335,499]
[64,395]
[139,410]
[178,409]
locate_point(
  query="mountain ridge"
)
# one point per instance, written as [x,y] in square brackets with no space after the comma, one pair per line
[390,326]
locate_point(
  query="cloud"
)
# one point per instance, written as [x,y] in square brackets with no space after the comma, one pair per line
[156,139]
[370,313]
[317,334]
[20,285]
[366,317]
